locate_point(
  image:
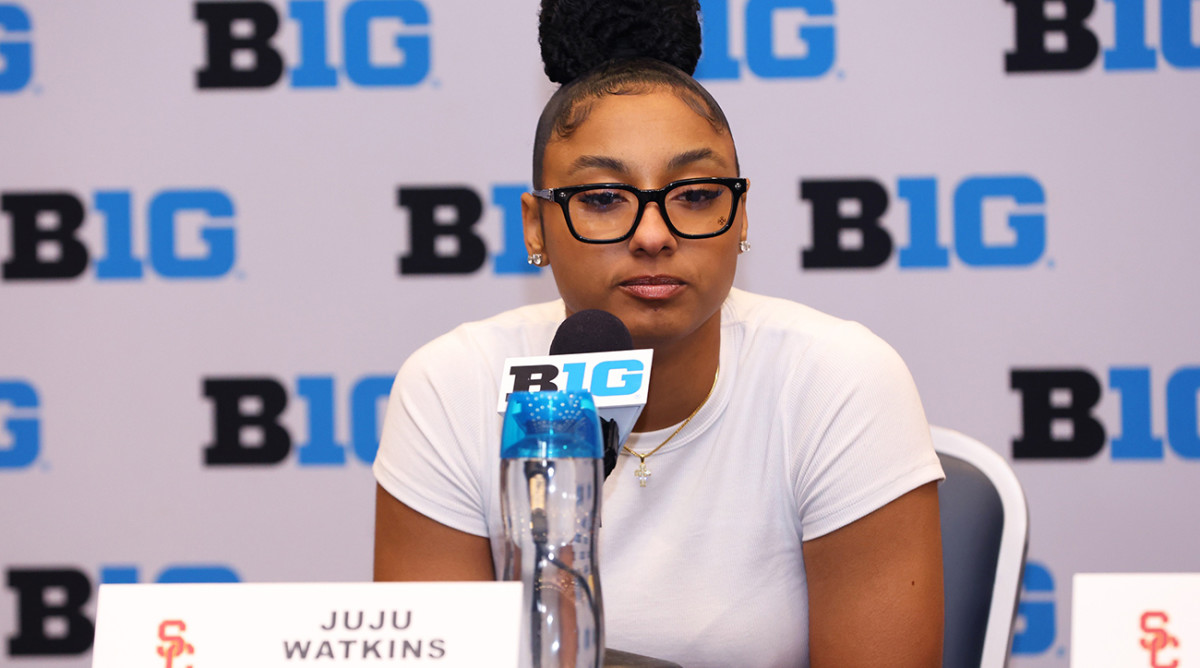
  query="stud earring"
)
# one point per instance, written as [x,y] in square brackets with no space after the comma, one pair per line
[743,246]
[535,259]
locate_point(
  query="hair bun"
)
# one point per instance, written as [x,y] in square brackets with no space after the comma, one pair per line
[579,35]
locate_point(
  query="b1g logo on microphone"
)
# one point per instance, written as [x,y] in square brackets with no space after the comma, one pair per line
[247,427]
[240,53]
[1057,420]
[20,426]
[1053,35]
[51,620]
[783,39]
[45,244]
[848,215]
[619,381]
[16,49]
[619,375]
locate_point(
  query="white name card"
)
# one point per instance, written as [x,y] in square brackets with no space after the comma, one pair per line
[450,625]
[1135,619]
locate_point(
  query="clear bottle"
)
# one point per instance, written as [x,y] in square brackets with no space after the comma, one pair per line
[550,488]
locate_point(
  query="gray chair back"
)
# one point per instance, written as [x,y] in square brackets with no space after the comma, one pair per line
[985,530]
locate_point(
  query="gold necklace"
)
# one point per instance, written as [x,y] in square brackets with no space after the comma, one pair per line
[642,473]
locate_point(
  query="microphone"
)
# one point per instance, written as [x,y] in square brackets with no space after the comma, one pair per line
[591,331]
[595,331]
[592,350]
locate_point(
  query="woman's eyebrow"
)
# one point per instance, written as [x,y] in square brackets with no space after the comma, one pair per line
[695,155]
[598,162]
[616,165]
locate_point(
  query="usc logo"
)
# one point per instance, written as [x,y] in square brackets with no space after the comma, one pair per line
[174,646]
[1157,638]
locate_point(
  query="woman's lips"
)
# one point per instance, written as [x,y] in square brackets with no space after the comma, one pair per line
[653,287]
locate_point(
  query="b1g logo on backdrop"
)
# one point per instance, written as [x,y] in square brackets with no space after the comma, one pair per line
[1057,420]
[1056,35]
[848,230]
[45,245]
[20,425]
[247,429]
[442,224]
[240,48]
[16,49]
[1036,627]
[50,603]
[783,39]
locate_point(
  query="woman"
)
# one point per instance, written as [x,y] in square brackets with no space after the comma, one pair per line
[789,511]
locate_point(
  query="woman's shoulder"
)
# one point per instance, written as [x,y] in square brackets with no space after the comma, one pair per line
[761,310]
[758,315]
[801,336]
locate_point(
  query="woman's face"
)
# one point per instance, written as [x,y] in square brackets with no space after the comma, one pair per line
[662,287]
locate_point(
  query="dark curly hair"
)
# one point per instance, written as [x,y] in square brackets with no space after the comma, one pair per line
[596,48]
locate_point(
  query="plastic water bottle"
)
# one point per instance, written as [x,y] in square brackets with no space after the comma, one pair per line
[550,488]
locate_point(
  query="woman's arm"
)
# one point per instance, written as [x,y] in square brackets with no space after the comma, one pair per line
[410,546]
[875,588]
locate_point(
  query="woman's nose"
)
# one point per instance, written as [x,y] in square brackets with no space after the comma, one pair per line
[652,235]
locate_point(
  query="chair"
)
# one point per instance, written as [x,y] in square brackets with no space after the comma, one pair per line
[985,532]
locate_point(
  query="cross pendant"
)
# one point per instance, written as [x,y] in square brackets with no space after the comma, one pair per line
[642,473]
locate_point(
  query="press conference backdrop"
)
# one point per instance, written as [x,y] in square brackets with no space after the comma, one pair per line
[225,225]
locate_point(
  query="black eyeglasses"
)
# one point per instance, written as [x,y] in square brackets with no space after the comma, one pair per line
[605,213]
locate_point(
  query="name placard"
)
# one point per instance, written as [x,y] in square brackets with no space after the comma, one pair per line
[1135,619]
[453,624]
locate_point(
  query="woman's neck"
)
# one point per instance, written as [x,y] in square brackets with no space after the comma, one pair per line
[682,377]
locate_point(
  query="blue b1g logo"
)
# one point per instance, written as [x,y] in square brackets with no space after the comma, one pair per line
[815,48]
[1036,626]
[20,428]
[1053,35]
[1058,418]
[442,236]
[248,428]
[51,603]
[848,231]
[45,244]
[240,50]
[16,51]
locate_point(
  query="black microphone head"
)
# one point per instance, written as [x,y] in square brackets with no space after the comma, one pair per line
[591,331]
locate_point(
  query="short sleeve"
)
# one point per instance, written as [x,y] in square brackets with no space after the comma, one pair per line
[433,443]
[860,439]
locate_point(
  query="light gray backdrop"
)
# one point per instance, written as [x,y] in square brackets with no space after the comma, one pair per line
[265,234]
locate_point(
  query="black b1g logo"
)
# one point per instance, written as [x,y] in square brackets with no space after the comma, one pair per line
[1053,35]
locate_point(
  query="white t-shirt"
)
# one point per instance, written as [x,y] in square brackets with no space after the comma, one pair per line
[813,423]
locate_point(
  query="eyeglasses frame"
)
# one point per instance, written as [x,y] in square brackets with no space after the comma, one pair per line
[562,196]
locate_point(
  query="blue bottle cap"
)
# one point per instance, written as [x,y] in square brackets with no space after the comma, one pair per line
[551,425]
